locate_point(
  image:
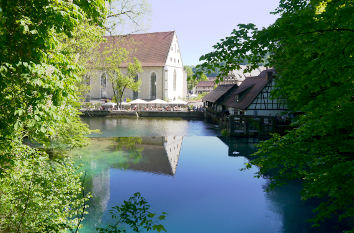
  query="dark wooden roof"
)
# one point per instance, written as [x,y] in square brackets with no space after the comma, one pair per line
[218,93]
[206,84]
[248,90]
[151,49]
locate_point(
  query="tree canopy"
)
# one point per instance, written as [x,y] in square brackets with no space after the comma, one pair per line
[39,78]
[311,48]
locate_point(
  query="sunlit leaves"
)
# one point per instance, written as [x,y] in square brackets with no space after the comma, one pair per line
[39,77]
[35,195]
[134,213]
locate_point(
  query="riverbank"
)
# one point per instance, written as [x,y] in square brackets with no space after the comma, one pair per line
[167,114]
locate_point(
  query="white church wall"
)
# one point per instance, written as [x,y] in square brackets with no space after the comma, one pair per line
[164,79]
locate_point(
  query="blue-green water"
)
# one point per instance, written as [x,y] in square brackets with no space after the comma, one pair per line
[185,169]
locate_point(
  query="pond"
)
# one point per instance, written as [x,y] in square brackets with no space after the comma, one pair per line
[187,170]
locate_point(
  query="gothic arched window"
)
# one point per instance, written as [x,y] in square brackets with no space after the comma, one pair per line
[104,80]
[153,86]
[174,80]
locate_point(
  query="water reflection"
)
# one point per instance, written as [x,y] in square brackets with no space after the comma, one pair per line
[200,185]
[149,127]
[158,155]
[240,146]
[150,154]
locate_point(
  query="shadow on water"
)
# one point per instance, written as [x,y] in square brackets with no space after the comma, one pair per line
[285,200]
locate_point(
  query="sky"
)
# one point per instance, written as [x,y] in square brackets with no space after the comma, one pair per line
[200,24]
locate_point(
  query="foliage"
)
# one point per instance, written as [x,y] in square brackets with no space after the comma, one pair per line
[310,46]
[134,213]
[192,82]
[35,195]
[121,80]
[39,78]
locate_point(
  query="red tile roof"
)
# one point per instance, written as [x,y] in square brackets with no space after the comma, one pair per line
[151,49]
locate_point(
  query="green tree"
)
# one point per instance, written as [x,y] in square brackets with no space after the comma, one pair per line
[311,48]
[41,195]
[121,79]
[192,82]
[39,79]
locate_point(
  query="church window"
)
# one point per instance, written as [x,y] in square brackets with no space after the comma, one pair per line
[153,86]
[174,80]
[104,80]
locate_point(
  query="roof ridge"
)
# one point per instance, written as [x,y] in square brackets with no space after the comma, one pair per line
[143,33]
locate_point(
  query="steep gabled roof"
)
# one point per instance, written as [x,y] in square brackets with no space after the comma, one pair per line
[248,90]
[218,92]
[151,49]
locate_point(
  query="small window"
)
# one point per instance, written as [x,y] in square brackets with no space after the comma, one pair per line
[104,80]
[153,86]
[171,59]
[174,80]
[175,60]
[236,98]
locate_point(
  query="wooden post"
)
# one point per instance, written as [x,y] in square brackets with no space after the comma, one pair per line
[246,127]
[230,125]
[261,126]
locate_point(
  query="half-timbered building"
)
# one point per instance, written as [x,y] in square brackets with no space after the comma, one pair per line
[253,97]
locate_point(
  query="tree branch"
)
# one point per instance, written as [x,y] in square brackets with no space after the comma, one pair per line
[121,13]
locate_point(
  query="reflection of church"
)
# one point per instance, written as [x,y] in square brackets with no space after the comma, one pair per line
[159,155]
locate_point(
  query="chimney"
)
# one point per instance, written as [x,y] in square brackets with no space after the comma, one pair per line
[269,75]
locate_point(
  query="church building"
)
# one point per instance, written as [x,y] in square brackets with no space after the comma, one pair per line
[163,76]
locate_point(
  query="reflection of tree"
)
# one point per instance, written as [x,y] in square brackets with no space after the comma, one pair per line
[295,212]
[129,145]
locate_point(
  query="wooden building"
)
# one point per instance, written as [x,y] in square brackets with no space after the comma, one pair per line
[252,97]
[205,86]
[213,102]
[248,109]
